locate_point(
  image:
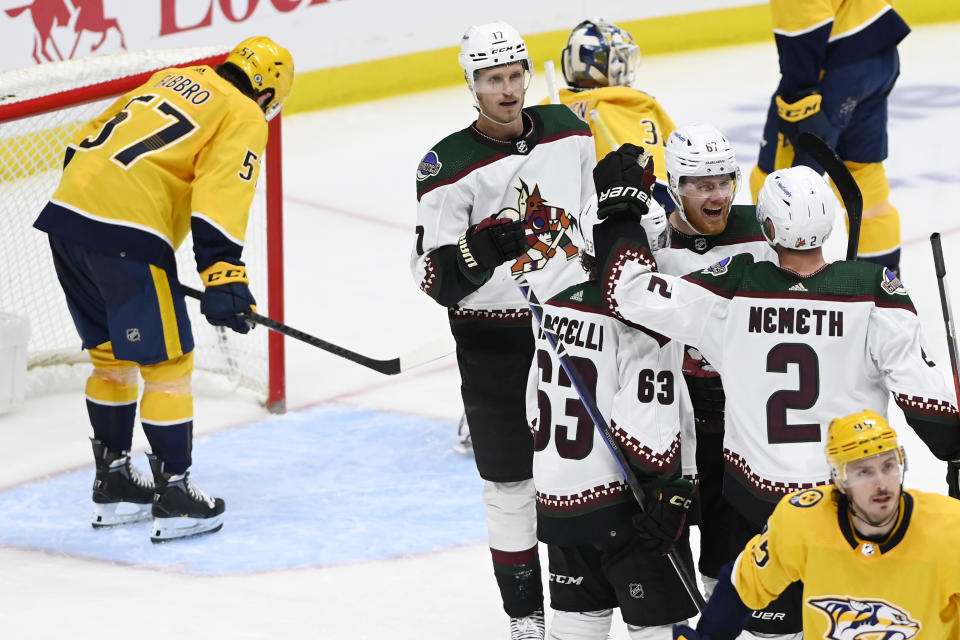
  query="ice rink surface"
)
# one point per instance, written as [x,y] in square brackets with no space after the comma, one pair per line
[350,516]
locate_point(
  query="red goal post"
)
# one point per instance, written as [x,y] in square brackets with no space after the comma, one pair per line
[41,108]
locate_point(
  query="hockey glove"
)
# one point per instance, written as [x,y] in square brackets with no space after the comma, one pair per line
[661,523]
[801,115]
[623,184]
[953,479]
[487,245]
[226,296]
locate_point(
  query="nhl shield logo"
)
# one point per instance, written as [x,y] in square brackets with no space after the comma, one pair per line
[700,244]
[853,619]
[636,590]
[522,146]
[133,335]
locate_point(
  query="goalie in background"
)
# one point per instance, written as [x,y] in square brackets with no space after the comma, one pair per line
[875,560]
[179,154]
[600,66]
[838,64]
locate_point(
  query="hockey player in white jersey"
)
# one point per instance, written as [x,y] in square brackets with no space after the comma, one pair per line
[497,199]
[600,545]
[705,227]
[797,342]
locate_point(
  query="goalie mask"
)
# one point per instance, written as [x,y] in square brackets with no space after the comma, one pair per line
[599,54]
[857,436]
[492,45]
[796,208]
[268,66]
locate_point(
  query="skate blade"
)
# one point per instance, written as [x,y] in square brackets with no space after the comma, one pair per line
[167,529]
[114,514]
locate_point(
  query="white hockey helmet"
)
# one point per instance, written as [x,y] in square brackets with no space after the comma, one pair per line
[698,150]
[599,54]
[491,45]
[796,208]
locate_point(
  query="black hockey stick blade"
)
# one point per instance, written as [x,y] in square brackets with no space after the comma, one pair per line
[846,185]
[427,353]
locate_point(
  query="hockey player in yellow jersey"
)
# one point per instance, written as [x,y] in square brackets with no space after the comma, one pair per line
[838,64]
[179,154]
[600,65]
[876,561]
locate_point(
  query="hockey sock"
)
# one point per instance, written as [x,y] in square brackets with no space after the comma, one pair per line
[518,576]
[586,625]
[111,396]
[166,412]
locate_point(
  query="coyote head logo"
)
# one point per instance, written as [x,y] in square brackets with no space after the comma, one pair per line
[852,619]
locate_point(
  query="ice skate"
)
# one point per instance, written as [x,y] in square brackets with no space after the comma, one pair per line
[180,508]
[464,443]
[121,494]
[529,627]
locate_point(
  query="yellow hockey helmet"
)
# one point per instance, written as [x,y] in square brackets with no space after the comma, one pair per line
[859,435]
[268,66]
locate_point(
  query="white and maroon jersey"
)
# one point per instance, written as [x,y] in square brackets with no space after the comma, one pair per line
[543,178]
[634,376]
[685,253]
[795,352]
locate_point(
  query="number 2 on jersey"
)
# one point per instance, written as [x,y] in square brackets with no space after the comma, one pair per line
[804,397]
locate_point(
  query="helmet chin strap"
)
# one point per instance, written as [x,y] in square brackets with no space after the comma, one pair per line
[882,523]
[504,124]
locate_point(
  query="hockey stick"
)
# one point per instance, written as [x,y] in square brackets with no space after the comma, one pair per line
[606,433]
[604,129]
[941,271]
[551,77]
[427,353]
[827,158]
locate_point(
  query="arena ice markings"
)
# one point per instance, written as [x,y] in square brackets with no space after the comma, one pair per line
[326,486]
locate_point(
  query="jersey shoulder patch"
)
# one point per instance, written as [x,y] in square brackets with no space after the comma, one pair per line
[450,159]
[559,119]
[806,498]
[723,277]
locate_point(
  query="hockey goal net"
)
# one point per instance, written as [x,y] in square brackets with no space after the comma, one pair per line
[41,108]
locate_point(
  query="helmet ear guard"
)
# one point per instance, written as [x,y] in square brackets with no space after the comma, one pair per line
[268,67]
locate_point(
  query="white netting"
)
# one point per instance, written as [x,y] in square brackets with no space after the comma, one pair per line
[31,153]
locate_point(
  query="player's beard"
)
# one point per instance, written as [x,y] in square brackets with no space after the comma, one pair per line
[860,514]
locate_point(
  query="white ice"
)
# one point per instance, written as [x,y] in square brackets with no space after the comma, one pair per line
[350,207]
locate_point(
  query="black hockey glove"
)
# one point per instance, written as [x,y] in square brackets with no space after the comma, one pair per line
[489,244]
[707,397]
[226,296]
[802,114]
[953,479]
[622,183]
[661,523]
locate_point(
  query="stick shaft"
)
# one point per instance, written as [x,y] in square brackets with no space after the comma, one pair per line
[606,432]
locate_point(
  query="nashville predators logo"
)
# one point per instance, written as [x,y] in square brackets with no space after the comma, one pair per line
[547,229]
[852,619]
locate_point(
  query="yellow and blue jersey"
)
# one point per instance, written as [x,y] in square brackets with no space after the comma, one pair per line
[906,586]
[181,152]
[814,35]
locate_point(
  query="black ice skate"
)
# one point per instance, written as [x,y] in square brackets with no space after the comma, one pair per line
[121,494]
[180,508]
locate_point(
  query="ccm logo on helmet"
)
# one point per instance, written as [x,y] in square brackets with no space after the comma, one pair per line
[624,192]
[680,501]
